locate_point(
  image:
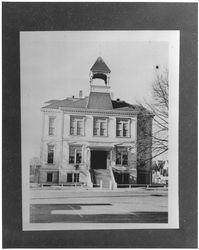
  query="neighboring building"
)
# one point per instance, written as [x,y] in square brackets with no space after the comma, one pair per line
[94,138]
[34,170]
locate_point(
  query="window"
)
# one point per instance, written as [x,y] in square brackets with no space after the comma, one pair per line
[121,156]
[50,154]
[69,177]
[49,177]
[51,130]
[73,177]
[123,127]
[76,125]
[76,177]
[75,154]
[100,127]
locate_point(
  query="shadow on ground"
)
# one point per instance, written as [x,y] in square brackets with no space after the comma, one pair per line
[41,213]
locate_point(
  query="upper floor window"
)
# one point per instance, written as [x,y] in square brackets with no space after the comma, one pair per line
[76,125]
[50,159]
[121,156]
[75,154]
[51,130]
[100,126]
[122,127]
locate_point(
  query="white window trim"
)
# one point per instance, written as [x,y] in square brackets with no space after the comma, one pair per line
[50,145]
[100,120]
[82,119]
[124,121]
[75,156]
[51,117]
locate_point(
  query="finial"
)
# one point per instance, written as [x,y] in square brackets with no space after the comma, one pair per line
[100,50]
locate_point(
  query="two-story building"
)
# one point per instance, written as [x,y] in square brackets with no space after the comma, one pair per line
[95,139]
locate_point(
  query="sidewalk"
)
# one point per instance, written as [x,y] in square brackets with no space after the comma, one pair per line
[138,199]
[99,206]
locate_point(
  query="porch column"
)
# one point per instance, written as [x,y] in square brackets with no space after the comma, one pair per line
[113,159]
[88,157]
[111,156]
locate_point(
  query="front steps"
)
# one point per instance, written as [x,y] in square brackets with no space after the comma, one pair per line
[102,178]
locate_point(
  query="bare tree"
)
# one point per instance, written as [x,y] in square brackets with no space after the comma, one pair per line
[159,107]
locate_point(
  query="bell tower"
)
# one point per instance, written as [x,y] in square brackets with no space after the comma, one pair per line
[100,76]
[99,97]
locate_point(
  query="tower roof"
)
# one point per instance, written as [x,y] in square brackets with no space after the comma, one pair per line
[100,66]
[99,100]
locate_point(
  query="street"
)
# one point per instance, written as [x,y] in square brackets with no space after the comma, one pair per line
[136,205]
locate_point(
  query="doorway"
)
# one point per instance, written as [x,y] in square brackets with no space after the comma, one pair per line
[98,159]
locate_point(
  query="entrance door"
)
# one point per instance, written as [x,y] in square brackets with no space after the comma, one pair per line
[98,159]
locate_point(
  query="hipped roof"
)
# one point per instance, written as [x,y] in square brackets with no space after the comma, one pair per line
[100,66]
[101,101]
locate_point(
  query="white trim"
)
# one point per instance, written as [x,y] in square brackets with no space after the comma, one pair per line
[53,127]
[95,111]
[122,121]
[75,153]
[50,145]
[76,119]
[50,110]
[99,121]
[61,140]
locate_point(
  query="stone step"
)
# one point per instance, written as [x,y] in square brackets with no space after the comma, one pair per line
[103,175]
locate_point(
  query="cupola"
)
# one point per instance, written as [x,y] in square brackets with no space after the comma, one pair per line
[99,97]
[100,76]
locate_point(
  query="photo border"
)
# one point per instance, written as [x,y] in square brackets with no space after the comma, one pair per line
[99,16]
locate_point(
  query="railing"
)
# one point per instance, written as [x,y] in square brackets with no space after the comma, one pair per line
[148,186]
[81,184]
[75,184]
[114,184]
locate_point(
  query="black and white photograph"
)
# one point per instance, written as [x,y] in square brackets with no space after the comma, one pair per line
[99,124]
[99,117]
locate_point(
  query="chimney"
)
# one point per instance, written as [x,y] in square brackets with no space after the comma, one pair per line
[80,94]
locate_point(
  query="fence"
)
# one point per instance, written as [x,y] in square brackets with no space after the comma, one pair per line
[81,184]
[141,185]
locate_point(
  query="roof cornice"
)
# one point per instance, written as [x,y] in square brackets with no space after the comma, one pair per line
[98,111]
[51,110]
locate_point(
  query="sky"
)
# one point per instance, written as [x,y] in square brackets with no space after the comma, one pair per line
[56,65]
